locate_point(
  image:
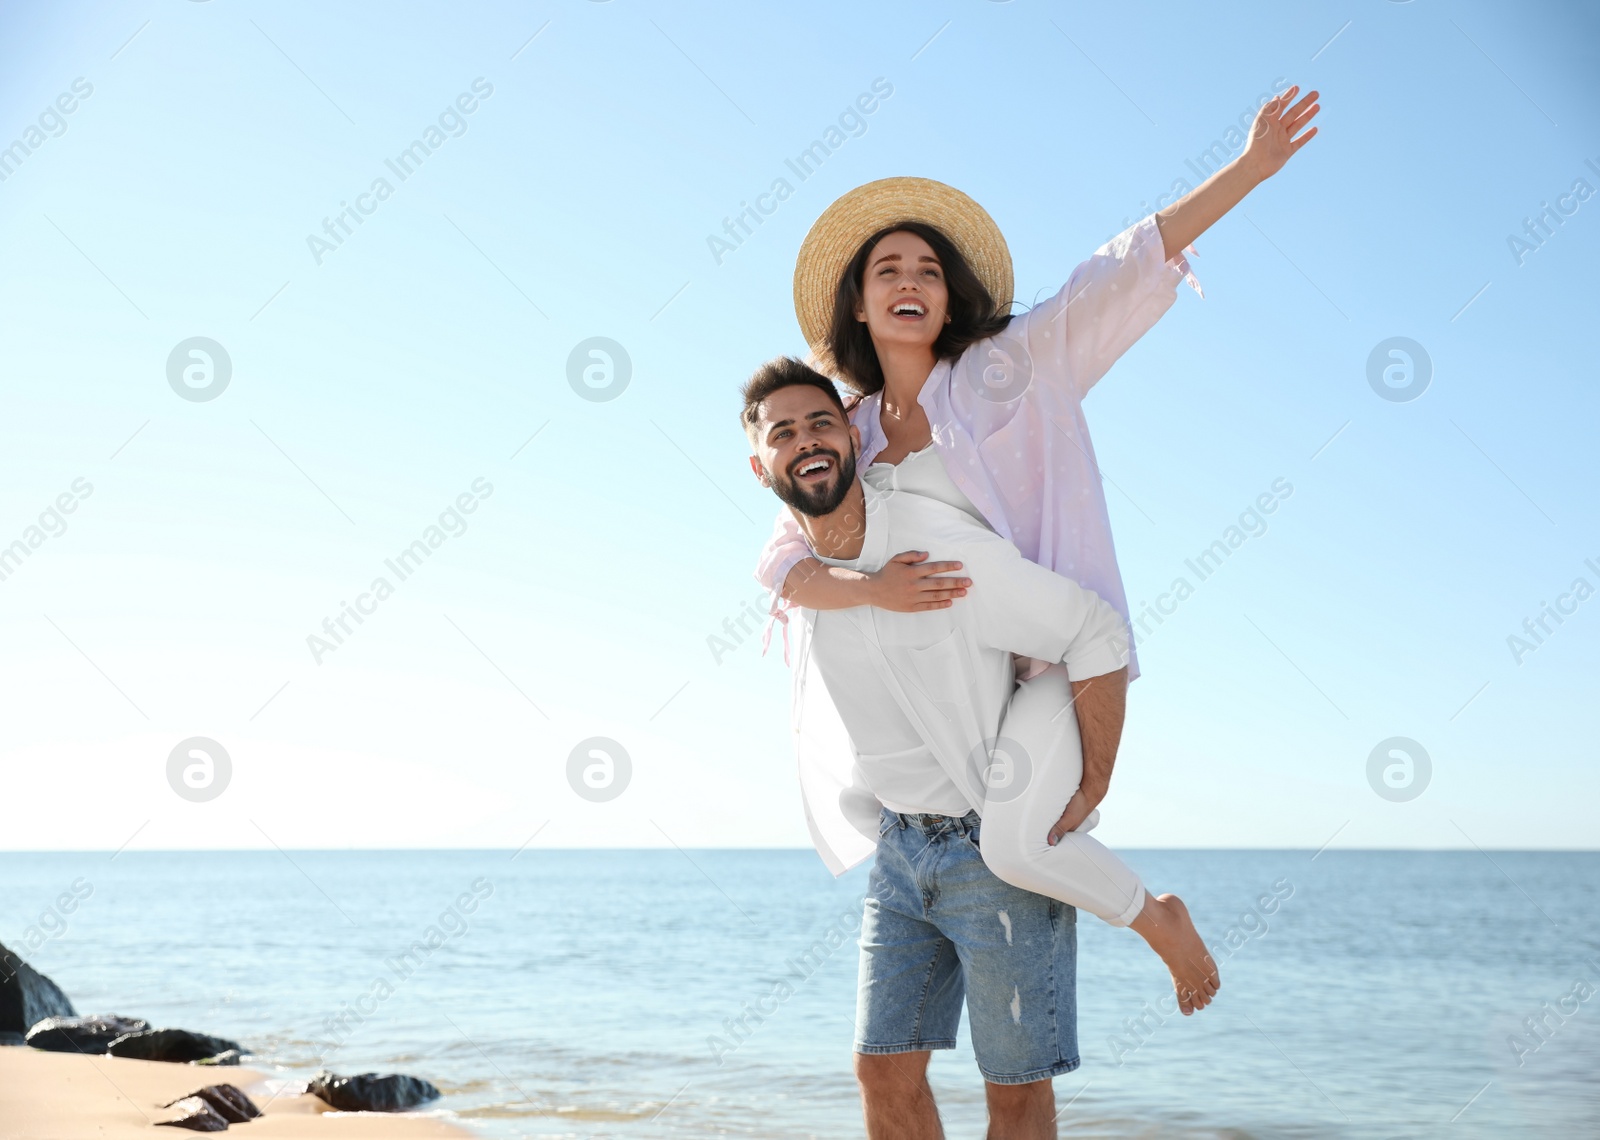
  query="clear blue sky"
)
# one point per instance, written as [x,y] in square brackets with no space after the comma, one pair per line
[372,383]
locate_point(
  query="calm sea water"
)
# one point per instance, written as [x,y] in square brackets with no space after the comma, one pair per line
[585,994]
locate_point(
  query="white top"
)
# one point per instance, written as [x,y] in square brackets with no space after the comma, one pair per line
[938,677]
[923,473]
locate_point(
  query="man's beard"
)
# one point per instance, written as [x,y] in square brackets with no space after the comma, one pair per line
[815,502]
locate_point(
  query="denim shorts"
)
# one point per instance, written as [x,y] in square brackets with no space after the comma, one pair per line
[938,928]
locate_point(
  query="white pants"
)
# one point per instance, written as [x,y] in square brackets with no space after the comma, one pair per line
[1039,765]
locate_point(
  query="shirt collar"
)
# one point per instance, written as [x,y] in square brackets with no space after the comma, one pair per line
[866,414]
[875,542]
[865,418]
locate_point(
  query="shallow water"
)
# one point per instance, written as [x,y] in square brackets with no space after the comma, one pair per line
[586,993]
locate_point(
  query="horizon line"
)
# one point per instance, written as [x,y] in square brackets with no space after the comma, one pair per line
[663,847]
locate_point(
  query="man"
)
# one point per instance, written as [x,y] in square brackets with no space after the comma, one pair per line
[922,697]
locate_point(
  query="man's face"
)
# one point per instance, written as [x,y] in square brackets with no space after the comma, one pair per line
[805,450]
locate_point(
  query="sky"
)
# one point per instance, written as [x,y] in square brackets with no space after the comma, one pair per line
[258,344]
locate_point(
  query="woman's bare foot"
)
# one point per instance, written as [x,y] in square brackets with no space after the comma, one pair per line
[1165,924]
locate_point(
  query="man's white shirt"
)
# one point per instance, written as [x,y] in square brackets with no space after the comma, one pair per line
[922,694]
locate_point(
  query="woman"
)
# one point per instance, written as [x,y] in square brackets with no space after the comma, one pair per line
[903,288]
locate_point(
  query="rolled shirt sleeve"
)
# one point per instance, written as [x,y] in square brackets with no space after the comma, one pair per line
[785,548]
[1111,300]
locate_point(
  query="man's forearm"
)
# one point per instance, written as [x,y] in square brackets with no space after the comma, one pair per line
[1101,703]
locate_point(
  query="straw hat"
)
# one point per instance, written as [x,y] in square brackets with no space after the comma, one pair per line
[856,216]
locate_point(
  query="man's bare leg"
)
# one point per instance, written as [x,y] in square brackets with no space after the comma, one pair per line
[895,1097]
[1165,924]
[1022,1112]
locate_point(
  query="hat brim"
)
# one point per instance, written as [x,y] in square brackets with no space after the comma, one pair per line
[866,210]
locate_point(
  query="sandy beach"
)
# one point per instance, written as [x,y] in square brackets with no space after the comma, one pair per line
[62,1096]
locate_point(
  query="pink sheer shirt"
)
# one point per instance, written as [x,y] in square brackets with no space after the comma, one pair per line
[1007,418]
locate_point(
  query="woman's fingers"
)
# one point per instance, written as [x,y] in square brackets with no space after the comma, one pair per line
[1295,130]
[1304,117]
[1302,140]
[910,556]
[929,569]
[943,596]
[1279,111]
[1302,113]
[1297,125]
[1298,108]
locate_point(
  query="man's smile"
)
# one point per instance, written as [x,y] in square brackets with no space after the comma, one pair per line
[813,468]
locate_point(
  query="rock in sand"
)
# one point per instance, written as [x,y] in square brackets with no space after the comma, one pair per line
[227,1101]
[27,996]
[370,1092]
[169,1045]
[195,1115]
[83,1034]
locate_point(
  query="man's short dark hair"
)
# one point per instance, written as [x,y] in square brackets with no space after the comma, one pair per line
[774,375]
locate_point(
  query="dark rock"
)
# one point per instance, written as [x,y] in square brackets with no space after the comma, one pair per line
[27,996]
[227,1101]
[226,1057]
[83,1034]
[11,1037]
[169,1045]
[197,1116]
[369,1092]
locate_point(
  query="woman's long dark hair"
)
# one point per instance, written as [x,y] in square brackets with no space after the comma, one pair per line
[974,314]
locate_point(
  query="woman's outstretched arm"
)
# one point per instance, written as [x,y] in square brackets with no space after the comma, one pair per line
[1272,143]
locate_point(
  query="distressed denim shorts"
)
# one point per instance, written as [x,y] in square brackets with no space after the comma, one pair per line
[938,928]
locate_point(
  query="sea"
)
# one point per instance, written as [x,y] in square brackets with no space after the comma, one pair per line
[704,993]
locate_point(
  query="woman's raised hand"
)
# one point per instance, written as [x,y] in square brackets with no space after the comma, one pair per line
[1272,137]
[907,584]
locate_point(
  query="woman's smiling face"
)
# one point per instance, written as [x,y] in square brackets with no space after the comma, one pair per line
[903,292]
